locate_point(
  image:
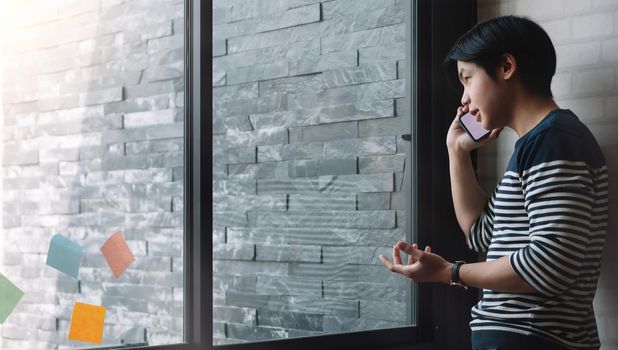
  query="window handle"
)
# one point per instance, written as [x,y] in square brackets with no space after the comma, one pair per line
[407,137]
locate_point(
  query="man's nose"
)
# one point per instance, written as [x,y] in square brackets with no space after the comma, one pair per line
[465,98]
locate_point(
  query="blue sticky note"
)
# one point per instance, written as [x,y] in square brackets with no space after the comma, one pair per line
[64,255]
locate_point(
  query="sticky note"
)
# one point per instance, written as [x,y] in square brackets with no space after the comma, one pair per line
[117,253]
[64,255]
[87,323]
[9,297]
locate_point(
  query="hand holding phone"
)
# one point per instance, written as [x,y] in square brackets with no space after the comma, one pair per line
[473,128]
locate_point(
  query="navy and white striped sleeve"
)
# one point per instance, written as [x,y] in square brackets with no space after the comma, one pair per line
[482,229]
[557,183]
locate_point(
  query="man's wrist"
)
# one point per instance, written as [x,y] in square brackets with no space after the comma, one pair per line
[458,153]
[446,274]
[455,277]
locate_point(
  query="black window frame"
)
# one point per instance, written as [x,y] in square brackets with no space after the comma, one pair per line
[197,191]
[443,312]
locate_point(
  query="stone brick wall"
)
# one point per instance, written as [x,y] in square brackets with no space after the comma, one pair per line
[308,166]
[93,143]
[585,34]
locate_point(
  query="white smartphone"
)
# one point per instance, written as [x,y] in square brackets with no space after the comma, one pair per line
[473,128]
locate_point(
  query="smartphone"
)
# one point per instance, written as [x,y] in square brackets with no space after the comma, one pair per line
[473,128]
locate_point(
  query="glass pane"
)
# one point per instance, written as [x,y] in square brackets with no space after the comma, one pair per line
[308,167]
[92,138]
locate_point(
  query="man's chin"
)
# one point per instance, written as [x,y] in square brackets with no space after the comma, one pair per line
[487,125]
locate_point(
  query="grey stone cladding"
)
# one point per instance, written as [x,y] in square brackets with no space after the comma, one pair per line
[92,97]
[308,110]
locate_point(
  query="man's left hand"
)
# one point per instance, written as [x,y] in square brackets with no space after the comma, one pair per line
[422,266]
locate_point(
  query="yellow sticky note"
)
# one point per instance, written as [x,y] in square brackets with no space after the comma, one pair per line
[87,323]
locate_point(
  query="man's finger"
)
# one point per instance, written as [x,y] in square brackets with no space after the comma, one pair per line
[492,136]
[389,265]
[396,255]
[495,133]
[398,268]
[461,110]
[411,249]
[385,261]
[411,259]
[406,247]
[428,249]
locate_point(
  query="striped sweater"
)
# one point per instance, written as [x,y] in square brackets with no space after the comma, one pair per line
[548,214]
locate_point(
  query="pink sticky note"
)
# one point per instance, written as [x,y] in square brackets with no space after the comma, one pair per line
[117,253]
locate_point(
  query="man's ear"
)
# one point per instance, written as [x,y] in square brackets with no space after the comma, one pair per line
[508,66]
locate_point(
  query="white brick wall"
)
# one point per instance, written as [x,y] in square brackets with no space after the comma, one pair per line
[314,89]
[92,133]
[1,182]
[585,34]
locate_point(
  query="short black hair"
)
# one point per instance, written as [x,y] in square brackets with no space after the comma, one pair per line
[486,43]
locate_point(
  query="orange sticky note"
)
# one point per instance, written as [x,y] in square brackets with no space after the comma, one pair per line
[117,253]
[87,323]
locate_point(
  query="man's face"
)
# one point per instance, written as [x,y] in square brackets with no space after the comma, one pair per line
[483,96]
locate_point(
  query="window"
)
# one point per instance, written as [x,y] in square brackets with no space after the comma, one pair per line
[93,144]
[309,167]
[199,234]
[304,130]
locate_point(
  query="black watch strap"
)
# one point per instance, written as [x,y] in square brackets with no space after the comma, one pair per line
[455,280]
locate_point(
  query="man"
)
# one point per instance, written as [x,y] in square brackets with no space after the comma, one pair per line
[544,226]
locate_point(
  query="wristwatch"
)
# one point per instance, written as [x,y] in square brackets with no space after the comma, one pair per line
[455,280]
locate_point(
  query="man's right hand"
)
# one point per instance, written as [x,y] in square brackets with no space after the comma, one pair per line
[458,140]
